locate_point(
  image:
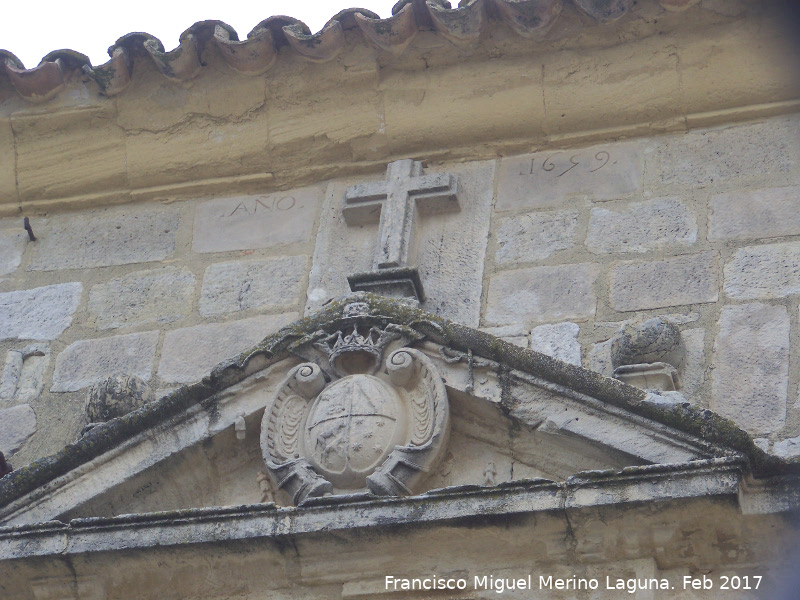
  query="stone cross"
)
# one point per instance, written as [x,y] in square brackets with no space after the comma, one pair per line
[394,203]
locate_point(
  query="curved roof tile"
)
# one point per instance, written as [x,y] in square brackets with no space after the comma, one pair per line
[256,54]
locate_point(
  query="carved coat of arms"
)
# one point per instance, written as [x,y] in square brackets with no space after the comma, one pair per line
[367,413]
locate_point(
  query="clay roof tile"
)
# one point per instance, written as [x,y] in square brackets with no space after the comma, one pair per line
[256,54]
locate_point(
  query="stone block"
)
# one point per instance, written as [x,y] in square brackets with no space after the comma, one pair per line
[442,104]
[101,238]
[731,154]
[189,354]
[641,226]
[559,341]
[763,59]
[23,374]
[87,362]
[17,425]
[68,153]
[269,284]
[599,359]
[747,214]
[157,296]
[38,314]
[160,107]
[295,118]
[542,294]
[751,366]
[689,279]
[547,179]
[513,334]
[198,152]
[12,246]
[757,272]
[260,221]
[618,85]
[789,448]
[447,248]
[694,366]
[8,160]
[534,236]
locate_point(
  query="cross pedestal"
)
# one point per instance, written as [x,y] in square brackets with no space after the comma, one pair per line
[395,204]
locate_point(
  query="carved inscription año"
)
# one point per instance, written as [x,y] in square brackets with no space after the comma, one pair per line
[264,204]
[258,221]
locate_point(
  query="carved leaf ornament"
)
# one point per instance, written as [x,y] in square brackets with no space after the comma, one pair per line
[364,423]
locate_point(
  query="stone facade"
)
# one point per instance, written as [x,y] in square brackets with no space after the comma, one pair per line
[556,192]
[698,261]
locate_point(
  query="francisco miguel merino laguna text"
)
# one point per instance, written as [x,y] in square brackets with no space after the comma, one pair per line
[501,584]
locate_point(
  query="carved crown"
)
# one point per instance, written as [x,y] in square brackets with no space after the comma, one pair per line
[355,342]
[369,347]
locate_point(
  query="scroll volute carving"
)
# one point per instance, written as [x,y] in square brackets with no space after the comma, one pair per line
[369,422]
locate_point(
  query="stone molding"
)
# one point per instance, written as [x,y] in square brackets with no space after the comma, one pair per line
[472,362]
[657,483]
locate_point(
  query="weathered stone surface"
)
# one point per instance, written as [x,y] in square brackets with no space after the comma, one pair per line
[23,374]
[70,152]
[762,443]
[17,425]
[751,366]
[548,178]
[676,281]
[447,111]
[738,152]
[157,296]
[394,410]
[694,367]
[12,245]
[200,152]
[534,236]
[599,358]
[754,214]
[246,222]
[189,354]
[542,294]
[272,283]
[116,397]
[513,334]
[559,341]
[654,340]
[395,204]
[38,314]
[641,226]
[87,362]
[8,159]
[757,272]
[448,248]
[117,236]
[789,448]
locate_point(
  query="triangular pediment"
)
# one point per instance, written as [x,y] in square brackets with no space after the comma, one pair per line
[369,398]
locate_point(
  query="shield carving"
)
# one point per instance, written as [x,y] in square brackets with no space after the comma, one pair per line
[352,427]
[359,420]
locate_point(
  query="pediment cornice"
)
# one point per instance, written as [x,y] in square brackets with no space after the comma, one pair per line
[679,432]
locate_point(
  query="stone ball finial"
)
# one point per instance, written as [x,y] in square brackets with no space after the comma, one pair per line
[117,396]
[656,340]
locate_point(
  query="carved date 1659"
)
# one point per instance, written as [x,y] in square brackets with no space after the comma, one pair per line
[561,164]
